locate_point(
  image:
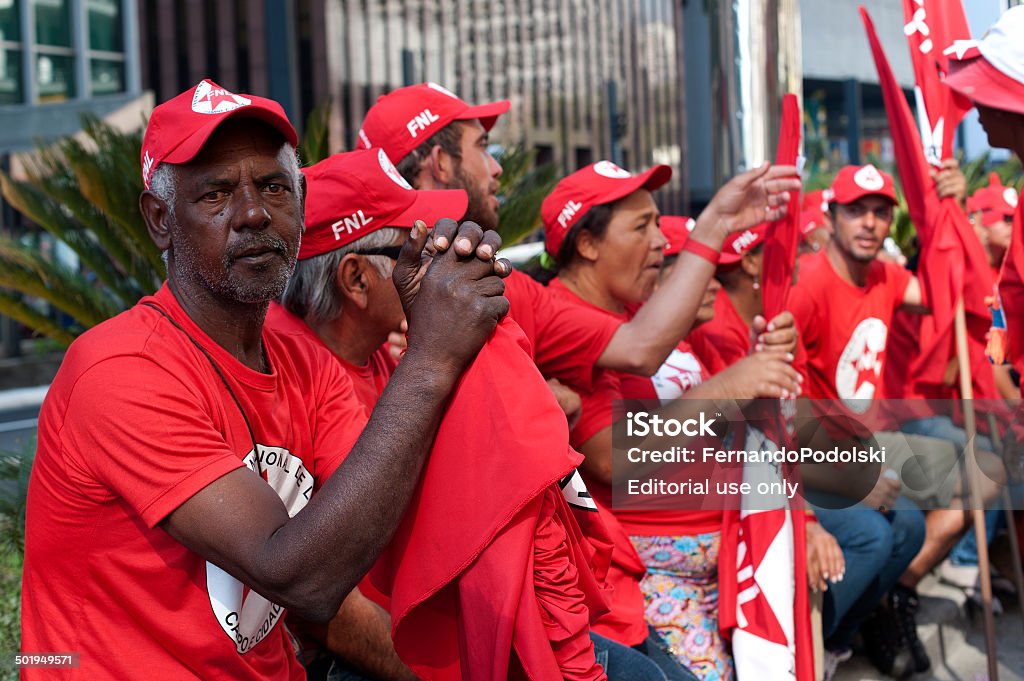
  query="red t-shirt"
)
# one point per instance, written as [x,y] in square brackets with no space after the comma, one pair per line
[845,328]
[369,380]
[567,339]
[625,622]
[681,371]
[136,422]
[726,332]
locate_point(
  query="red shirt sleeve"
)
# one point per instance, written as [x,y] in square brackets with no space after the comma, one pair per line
[153,453]
[900,278]
[596,414]
[567,338]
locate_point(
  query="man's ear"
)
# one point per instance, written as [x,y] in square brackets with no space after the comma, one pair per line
[302,199]
[157,215]
[353,280]
[441,167]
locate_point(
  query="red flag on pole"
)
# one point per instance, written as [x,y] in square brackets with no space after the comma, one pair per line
[763,600]
[783,235]
[953,262]
[933,25]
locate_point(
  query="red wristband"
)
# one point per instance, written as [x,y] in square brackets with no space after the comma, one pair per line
[702,251]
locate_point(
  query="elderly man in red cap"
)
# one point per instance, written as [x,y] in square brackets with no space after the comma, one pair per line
[341,296]
[198,474]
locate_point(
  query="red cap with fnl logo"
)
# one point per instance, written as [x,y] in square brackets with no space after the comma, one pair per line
[598,183]
[350,195]
[179,127]
[404,119]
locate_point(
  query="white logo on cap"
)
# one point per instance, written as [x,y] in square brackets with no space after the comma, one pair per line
[421,121]
[442,89]
[210,100]
[869,178]
[569,212]
[389,168]
[350,223]
[743,240]
[1010,196]
[610,170]
[690,224]
[365,139]
[147,167]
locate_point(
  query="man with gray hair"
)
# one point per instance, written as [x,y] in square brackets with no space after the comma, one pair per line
[198,473]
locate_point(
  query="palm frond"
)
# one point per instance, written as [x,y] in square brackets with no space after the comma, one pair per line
[37,201]
[24,269]
[14,307]
[315,143]
[522,188]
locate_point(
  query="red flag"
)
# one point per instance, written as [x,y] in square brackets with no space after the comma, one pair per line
[932,26]
[952,263]
[783,235]
[763,605]
[489,558]
[1011,291]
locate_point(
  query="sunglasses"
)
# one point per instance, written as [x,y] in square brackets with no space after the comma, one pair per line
[387,251]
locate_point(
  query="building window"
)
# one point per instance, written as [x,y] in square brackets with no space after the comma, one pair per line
[54,56]
[74,48]
[106,46]
[10,53]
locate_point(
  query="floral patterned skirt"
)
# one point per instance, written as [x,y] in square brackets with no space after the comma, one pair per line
[681,600]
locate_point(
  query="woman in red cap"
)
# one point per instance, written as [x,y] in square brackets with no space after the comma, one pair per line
[601,226]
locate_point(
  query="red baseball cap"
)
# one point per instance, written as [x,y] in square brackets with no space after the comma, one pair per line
[738,244]
[403,119]
[676,230]
[995,202]
[350,195]
[179,127]
[855,182]
[991,71]
[813,209]
[598,183]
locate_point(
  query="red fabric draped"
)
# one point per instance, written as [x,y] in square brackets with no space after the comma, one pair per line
[489,557]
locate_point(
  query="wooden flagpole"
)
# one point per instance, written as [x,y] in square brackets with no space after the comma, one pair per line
[973,486]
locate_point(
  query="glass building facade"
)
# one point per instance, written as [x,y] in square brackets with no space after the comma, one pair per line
[588,79]
[54,51]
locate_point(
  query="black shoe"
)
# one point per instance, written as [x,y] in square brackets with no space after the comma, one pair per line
[884,646]
[904,604]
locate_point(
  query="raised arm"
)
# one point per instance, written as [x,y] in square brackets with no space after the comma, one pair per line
[641,345]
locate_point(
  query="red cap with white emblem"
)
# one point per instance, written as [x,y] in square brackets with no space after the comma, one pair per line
[995,202]
[350,195]
[991,71]
[405,118]
[855,182]
[179,127]
[676,230]
[598,183]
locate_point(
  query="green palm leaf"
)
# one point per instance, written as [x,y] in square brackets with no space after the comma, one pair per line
[522,188]
[23,269]
[15,308]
